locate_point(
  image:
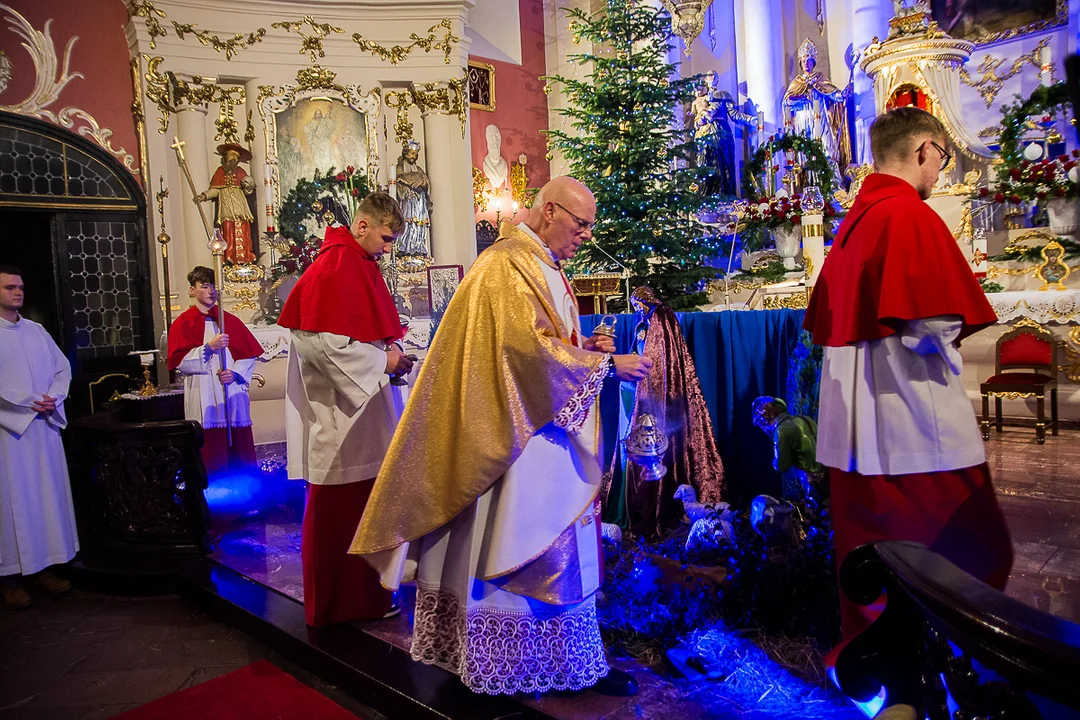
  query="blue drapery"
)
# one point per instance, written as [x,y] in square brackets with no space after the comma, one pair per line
[739,356]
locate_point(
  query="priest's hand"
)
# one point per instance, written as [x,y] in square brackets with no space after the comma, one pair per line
[226,376]
[398,363]
[218,342]
[600,343]
[45,405]
[631,367]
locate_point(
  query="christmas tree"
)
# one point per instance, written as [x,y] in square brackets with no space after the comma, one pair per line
[629,150]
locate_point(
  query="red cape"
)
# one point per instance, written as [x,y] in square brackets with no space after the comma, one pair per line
[343,293]
[187,333]
[893,260]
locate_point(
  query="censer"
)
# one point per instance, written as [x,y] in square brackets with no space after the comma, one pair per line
[646,445]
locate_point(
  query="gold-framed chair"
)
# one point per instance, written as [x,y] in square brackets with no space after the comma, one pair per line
[1034,349]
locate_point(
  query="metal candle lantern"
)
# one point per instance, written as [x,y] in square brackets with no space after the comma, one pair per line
[605,328]
[646,446]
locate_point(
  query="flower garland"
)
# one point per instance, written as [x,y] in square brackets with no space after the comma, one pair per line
[781,210]
[1024,173]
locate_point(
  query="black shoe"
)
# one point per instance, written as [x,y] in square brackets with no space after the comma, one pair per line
[617,683]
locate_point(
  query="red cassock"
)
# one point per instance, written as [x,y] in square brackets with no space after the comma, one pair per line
[187,333]
[341,293]
[894,260]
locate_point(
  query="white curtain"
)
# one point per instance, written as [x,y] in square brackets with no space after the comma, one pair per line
[943,82]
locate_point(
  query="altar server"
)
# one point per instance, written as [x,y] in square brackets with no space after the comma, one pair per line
[195,342]
[341,405]
[896,428]
[37,520]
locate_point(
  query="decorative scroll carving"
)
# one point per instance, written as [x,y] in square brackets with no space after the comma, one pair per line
[991,82]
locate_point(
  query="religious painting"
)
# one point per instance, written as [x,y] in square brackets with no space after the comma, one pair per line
[987,21]
[316,135]
[317,125]
[443,280]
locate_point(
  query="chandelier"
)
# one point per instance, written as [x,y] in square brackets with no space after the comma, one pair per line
[687,18]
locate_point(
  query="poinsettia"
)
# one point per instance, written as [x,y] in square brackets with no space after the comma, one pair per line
[1036,179]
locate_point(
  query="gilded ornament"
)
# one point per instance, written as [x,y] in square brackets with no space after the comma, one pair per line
[231,46]
[687,18]
[145,9]
[400,53]
[401,101]
[1061,17]
[480,194]
[312,44]
[990,84]
[50,81]
[316,77]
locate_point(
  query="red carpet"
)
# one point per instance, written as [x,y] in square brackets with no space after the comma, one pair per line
[257,692]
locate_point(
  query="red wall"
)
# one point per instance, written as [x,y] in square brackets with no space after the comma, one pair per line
[100,54]
[521,109]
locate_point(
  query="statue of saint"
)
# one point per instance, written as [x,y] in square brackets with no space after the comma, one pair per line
[815,107]
[671,395]
[413,193]
[231,187]
[495,168]
[711,115]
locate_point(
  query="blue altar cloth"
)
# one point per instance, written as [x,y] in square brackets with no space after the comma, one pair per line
[739,356]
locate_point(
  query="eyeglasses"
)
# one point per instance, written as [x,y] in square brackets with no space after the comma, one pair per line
[945,157]
[582,224]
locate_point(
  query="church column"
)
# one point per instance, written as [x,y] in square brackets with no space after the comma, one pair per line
[263,193]
[838,38]
[761,54]
[449,168]
[191,128]
[869,19]
[560,45]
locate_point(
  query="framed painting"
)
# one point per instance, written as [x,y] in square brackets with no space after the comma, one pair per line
[989,21]
[481,85]
[443,280]
[316,125]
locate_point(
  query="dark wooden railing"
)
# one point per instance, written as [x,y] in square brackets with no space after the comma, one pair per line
[937,620]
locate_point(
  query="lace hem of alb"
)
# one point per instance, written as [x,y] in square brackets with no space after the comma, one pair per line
[576,410]
[500,652]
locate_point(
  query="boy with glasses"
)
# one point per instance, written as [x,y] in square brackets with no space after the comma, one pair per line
[895,427]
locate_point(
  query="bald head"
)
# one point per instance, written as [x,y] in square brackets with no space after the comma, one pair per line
[562,215]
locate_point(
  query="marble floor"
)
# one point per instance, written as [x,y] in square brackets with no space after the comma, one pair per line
[1038,487]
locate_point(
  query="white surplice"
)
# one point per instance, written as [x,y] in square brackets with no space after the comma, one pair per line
[897,406]
[204,400]
[37,518]
[496,641]
[341,409]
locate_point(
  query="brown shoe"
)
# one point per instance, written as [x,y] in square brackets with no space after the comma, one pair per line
[15,596]
[52,583]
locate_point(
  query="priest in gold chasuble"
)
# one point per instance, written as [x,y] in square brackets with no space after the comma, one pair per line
[487,498]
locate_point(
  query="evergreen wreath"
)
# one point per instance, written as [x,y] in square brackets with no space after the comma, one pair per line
[1017,177]
[765,213]
[347,187]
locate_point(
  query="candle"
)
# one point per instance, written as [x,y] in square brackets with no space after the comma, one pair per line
[1045,68]
[268,175]
[392,185]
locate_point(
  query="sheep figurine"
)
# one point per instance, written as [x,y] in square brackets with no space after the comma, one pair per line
[710,523]
[611,532]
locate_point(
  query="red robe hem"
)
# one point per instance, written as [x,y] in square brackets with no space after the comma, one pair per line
[953,512]
[338,587]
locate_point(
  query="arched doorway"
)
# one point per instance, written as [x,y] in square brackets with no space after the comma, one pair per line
[73,220]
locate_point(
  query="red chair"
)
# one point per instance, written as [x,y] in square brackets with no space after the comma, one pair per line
[1034,349]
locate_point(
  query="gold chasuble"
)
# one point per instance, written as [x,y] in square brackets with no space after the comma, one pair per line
[487,496]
